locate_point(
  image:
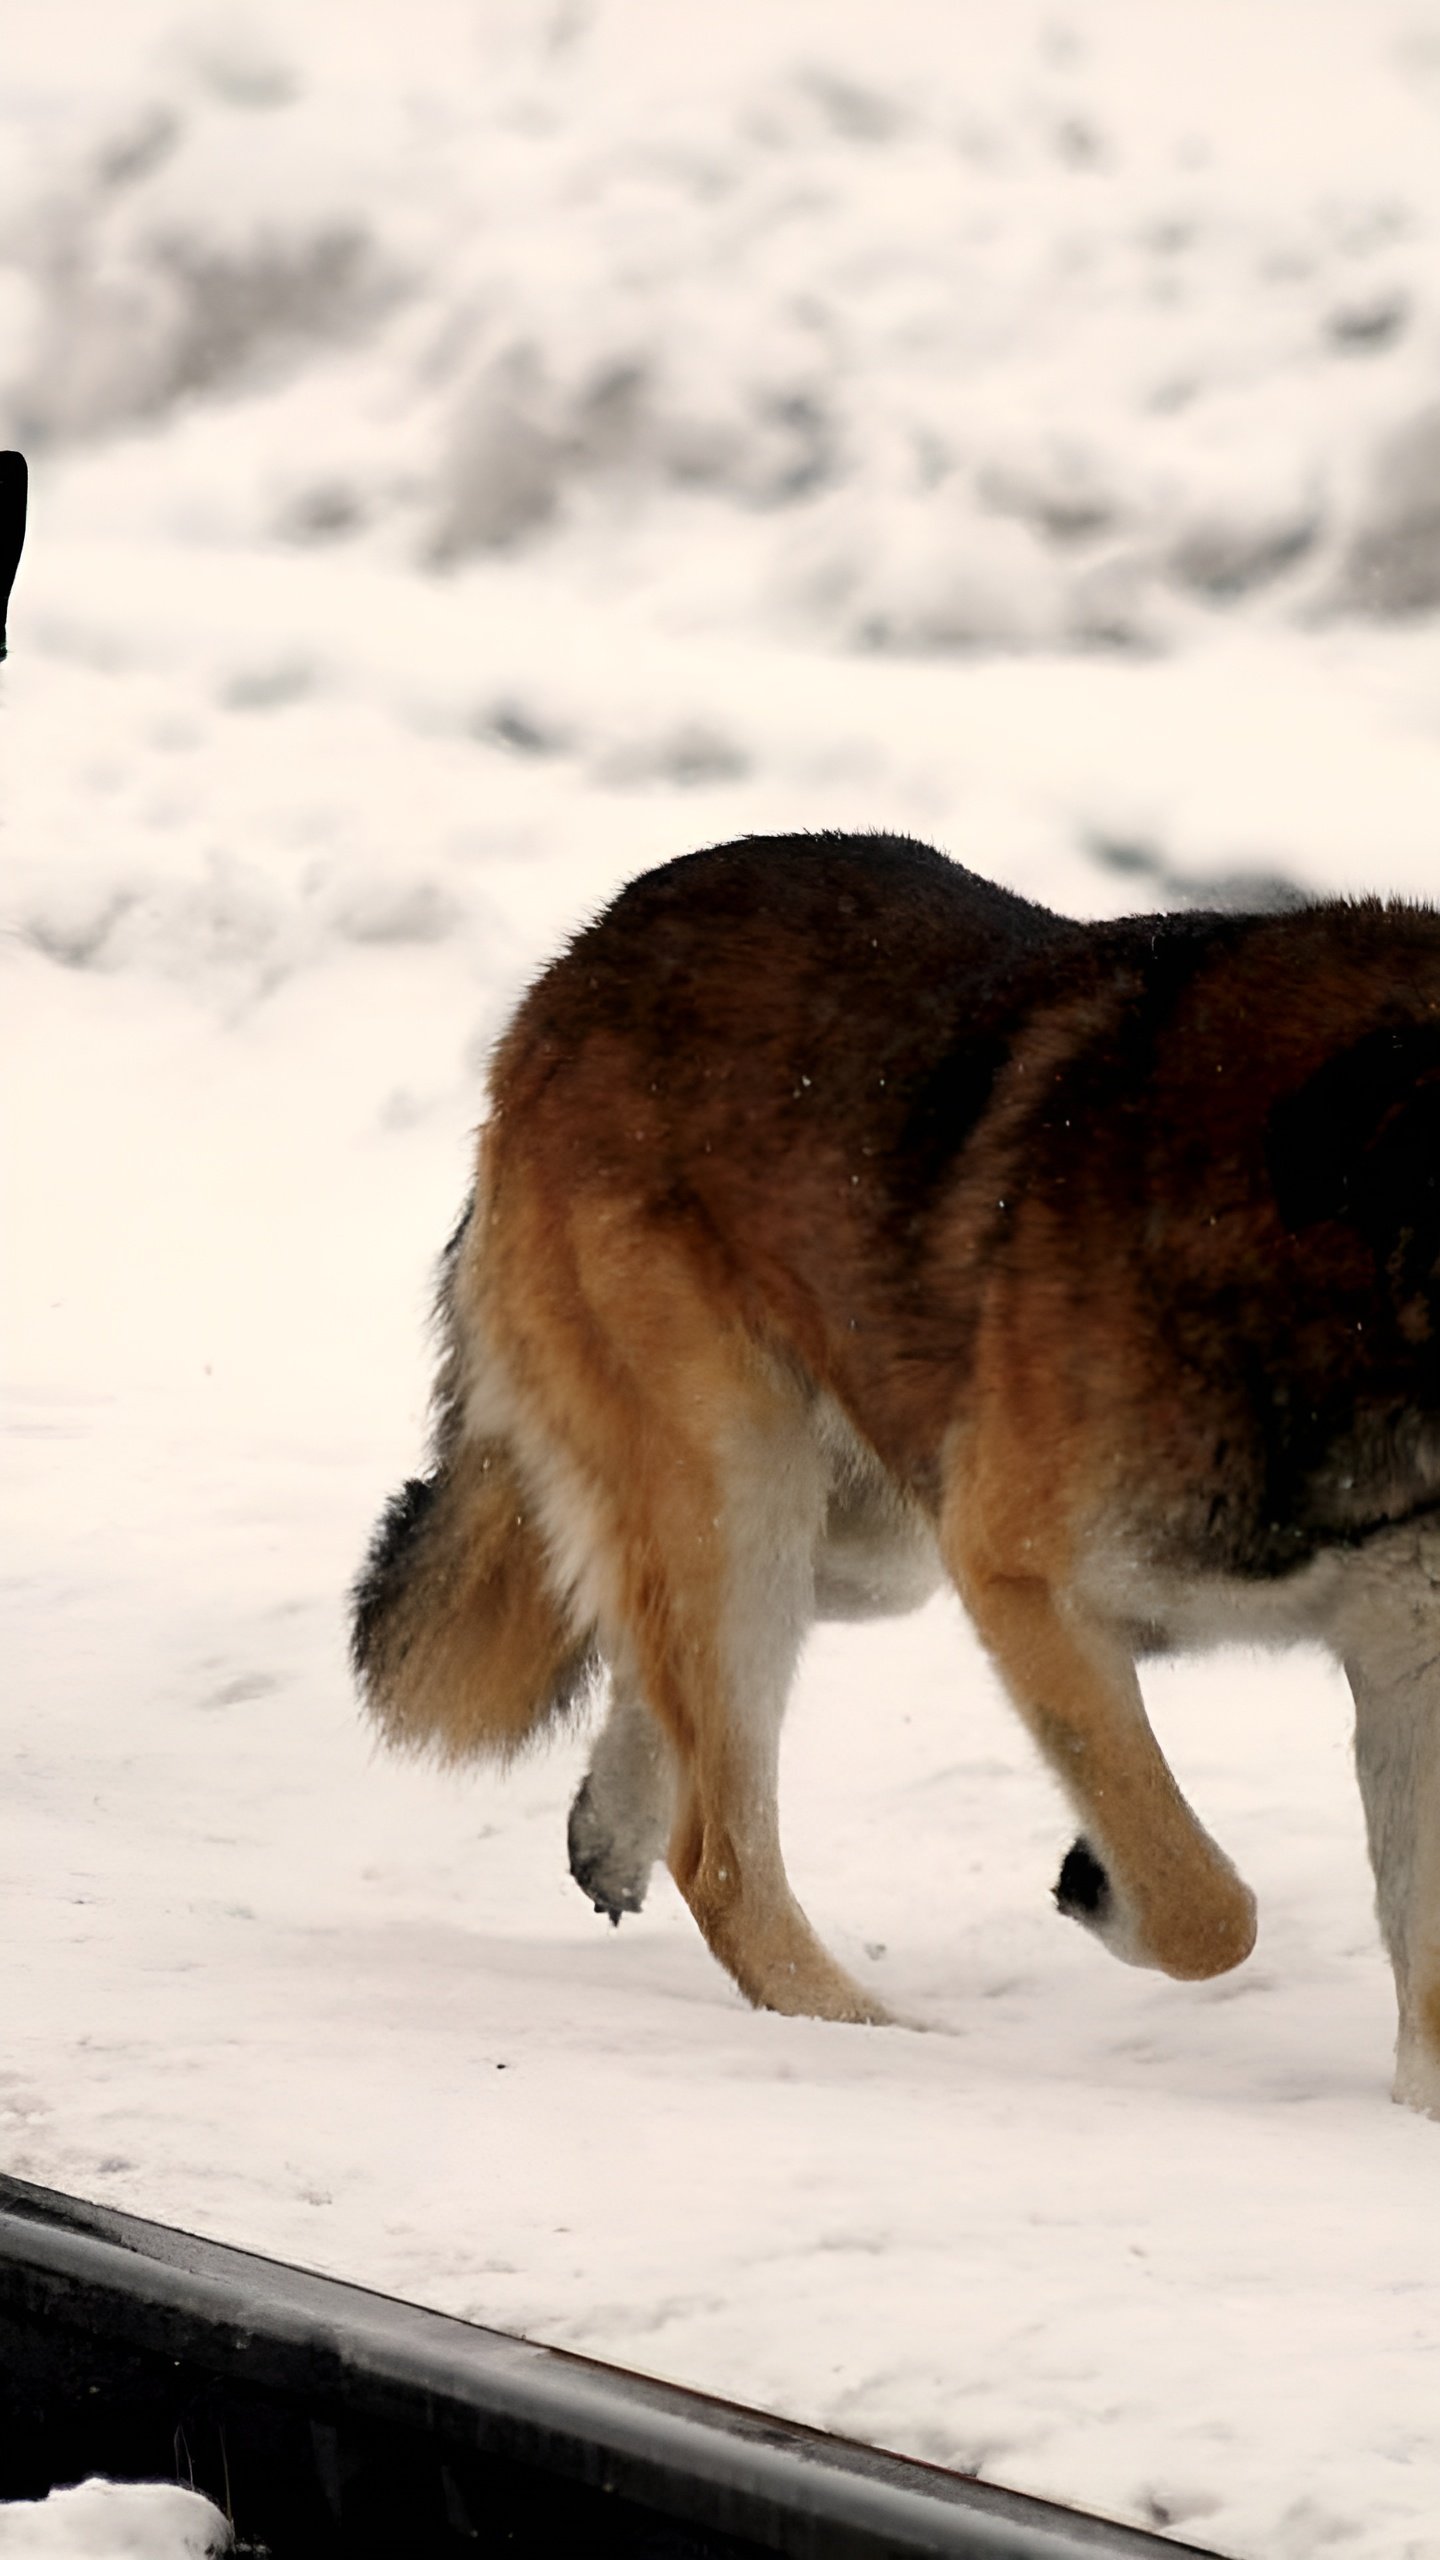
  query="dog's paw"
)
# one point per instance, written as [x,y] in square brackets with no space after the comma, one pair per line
[614,1882]
[1082,1890]
[1191,1937]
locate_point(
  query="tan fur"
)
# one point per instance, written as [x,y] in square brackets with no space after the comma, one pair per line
[839,1216]
[623,1357]
[475,1658]
[1023,1481]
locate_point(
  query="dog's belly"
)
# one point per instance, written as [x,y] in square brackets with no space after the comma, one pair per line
[877,1557]
[1161,1609]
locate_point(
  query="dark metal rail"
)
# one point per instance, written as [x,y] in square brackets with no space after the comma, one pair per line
[14,482]
[328,2420]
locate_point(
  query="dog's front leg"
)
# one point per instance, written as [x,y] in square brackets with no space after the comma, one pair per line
[1146,1877]
[1390,1646]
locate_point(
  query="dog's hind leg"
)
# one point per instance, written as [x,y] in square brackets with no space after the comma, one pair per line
[725,1850]
[688,1473]
[622,1815]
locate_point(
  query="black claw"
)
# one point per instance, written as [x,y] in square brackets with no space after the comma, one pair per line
[1083,1889]
[612,1910]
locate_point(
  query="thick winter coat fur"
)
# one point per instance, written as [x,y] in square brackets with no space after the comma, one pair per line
[843,1221]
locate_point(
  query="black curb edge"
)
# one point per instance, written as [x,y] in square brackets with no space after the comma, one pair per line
[14,483]
[327,2419]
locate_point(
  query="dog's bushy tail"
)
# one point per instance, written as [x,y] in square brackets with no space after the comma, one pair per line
[458,1640]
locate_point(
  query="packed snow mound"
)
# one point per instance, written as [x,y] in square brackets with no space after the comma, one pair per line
[113,2520]
[1012,327]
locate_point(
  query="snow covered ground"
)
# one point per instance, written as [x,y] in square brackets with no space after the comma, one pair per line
[108,2520]
[480,450]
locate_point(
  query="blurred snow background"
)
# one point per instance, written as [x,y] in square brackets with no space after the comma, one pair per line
[481,447]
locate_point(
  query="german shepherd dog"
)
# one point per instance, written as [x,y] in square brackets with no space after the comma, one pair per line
[843,1222]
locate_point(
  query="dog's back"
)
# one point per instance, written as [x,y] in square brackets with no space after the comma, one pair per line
[878,1096]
